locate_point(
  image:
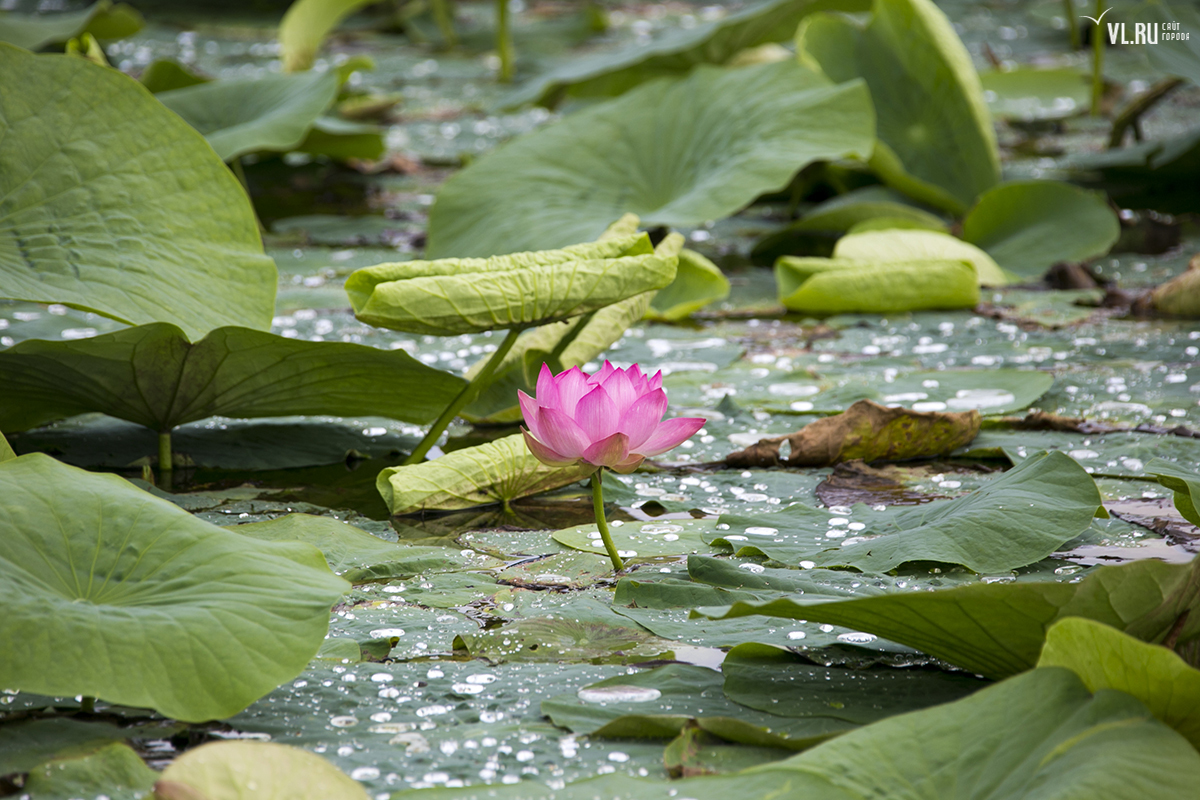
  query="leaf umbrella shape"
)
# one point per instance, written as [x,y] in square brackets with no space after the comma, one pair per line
[245,115]
[936,141]
[255,771]
[104,20]
[124,210]
[154,376]
[1105,658]
[165,610]
[998,629]
[748,131]
[469,295]
[1028,226]
[675,53]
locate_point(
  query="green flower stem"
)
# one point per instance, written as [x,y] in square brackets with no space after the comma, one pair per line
[1097,61]
[469,393]
[444,17]
[568,337]
[1072,23]
[601,522]
[504,42]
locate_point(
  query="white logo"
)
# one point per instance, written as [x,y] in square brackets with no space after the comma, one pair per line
[1143,32]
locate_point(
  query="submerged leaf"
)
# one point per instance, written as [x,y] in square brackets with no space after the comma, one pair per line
[997,629]
[1105,658]
[868,431]
[749,131]
[255,771]
[496,472]
[123,211]
[246,115]
[96,571]
[892,246]
[936,141]
[154,376]
[843,285]
[1028,226]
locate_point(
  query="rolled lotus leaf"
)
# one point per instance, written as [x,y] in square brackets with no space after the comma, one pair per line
[916,245]
[468,295]
[834,286]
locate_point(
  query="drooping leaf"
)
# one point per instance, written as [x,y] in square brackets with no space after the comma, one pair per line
[247,115]
[154,376]
[1032,93]
[124,211]
[1184,483]
[642,539]
[1180,296]
[1014,520]
[936,141]
[113,770]
[840,285]
[255,771]
[1027,226]
[164,75]
[749,131]
[1105,658]
[677,52]
[469,295]
[698,282]
[497,472]
[103,20]
[168,611]
[997,629]
[912,245]
[305,26]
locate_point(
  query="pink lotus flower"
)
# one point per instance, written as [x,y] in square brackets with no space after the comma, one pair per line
[611,419]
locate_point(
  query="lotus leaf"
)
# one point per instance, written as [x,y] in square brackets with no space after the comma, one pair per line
[715,42]
[642,539]
[6,451]
[164,75]
[255,771]
[1031,93]
[1180,296]
[749,131]
[840,285]
[1028,226]
[914,245]
[343,140]
[168,611]
[997,629]
[114,769]
[697,283]
[1180,57]
[497,472]
[246,115]
[24,744]
[1105,658]
[936,141]
[154,376]
[1184,483]
[468,295]
[123,211]
[305,26]
[553,639]
[1157,173]
[103,20]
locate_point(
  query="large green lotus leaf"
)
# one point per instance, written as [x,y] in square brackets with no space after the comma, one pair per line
[672,537]
[1012,521]
[698,282]
[113,771]
[997,629]
[154,376]
[305,26]
[1032,93]
[748,131]
[497,472]
[246,115]
[840,285]
[936,134]
[659,703]
[167,611]
[468,295]
[352,552]
[780,682]
[1184,483]
[255,771]
[125,210]
[675,53]
[1180,57]
[914,245]
[1105,658]
[103,20]
[1027,226]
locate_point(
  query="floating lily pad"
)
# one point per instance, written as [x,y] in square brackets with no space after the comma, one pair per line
[670,537]
[1032,93]
[549,639]
[127,582]
[69,216]
[255,771]
[566,182]
[114,770]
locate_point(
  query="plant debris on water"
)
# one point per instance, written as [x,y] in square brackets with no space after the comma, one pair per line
[532,400]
